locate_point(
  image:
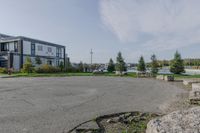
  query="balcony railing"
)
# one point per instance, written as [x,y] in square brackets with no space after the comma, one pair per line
[4,53]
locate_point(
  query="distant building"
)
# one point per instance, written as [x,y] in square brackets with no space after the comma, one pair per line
[14,50]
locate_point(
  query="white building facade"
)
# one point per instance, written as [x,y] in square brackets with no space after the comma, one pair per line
[15,50]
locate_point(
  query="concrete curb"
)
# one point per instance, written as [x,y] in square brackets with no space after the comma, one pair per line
[8,76]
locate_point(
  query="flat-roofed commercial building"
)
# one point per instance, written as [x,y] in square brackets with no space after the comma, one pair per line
[15,50]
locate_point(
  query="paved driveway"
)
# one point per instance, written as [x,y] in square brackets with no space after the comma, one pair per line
[50,105]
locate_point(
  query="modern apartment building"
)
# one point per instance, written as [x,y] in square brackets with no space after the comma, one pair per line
[15,50]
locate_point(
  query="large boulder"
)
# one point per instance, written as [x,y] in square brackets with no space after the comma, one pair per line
[196,86]
[194,95]
[160,77]
[185,121]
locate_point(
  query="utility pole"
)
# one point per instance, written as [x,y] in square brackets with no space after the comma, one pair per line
[91,53]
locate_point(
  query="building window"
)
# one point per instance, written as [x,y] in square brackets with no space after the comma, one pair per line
[32,49]
[49,49]
[16,47]
[57,63]
[58,52]
[40,48]
[5,47]
[49,62]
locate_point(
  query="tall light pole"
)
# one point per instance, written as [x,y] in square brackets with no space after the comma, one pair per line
[91,53]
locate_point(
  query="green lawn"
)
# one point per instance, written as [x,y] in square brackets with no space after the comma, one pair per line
[133,75]
[66,74]
[50,74]
[186,76]
[180,76]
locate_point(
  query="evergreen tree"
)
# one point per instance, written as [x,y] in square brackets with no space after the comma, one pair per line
[154,65]
[38,60]
[141,65]
[111,66]
[120,64]
[177,64]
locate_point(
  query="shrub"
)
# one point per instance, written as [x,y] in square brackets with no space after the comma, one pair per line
[3,70]
[47,69]
[27,66]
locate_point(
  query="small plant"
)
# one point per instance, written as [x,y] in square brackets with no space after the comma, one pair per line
[124,131]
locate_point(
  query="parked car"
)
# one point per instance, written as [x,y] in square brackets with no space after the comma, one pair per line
[97,72]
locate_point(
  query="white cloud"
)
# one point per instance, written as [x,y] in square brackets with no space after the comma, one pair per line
[154,24]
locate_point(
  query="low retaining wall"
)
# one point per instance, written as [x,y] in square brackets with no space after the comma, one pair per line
[190,81]
[165,77]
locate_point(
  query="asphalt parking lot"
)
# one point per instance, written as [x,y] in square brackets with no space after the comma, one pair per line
[52,105]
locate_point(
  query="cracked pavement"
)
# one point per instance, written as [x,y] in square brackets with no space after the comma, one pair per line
[54,105]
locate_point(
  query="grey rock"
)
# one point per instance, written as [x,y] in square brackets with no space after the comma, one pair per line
[194,95]
[111,121]
[160,77]
[196,85]
[184,121]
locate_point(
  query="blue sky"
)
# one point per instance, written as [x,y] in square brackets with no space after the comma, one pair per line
[134,27]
